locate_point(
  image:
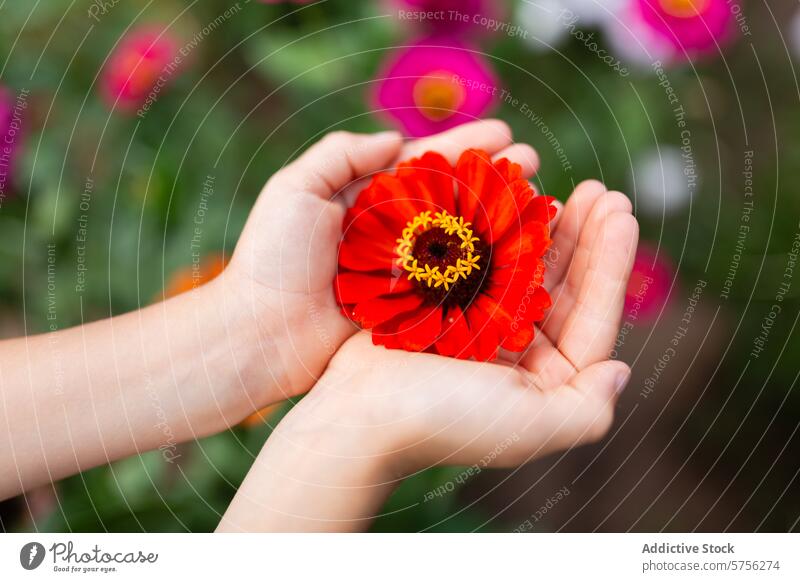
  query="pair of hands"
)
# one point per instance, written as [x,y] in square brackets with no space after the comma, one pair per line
[406,411]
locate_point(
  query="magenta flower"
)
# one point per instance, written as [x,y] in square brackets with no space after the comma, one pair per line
[11,111]
[687,26]
[650,284]
[646,31]
[142,65]
[690,25]
[434,85]
[452,16]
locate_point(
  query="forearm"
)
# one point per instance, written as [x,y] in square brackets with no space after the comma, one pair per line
[172,372]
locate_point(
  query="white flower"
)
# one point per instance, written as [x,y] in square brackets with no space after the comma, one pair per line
[633,41]
[794,34]
[543,20]
[661,181]
[593,12]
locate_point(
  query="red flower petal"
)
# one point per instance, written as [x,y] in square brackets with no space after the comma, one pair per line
[374,311]
[540,209]
[540,301]
[503,210]
[419,332]
[474,173]
[486,339]
[351,288]
[510,171]
[455,338]
[386,333]
[497,311]
[385,189]
[431,179]
[520,339]
[528,270]
[376,222]
[365,254]
[535,239]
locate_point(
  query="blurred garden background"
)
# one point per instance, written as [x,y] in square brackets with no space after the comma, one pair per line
[126,123]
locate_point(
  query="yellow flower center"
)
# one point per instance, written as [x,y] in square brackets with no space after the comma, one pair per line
[684,8]
[438,250]
[438,95]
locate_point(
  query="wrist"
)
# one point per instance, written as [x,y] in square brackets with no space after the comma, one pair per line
[226,352]
[284,340]
[347,410]
[320,470]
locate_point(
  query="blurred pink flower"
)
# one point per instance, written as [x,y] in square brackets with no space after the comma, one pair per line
[650,283]
[671,30]
[690,25]
[453,15]
[146,58]
[434,85]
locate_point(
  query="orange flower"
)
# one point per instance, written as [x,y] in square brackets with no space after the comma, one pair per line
[192,277]
[260,417]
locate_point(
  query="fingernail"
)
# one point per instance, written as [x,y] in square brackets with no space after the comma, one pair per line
[622,381]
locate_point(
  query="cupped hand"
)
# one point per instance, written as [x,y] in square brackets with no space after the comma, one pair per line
[416,410]
[283,268]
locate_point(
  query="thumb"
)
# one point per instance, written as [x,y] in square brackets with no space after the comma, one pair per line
[599,387]
[603,381]
[338,159]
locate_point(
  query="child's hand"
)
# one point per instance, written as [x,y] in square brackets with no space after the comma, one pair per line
[284,265]
[378,415]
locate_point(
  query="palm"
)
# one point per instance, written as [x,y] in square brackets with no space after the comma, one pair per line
[559,393]
[286,261]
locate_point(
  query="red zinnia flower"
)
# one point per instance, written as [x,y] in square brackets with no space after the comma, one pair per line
[447,260]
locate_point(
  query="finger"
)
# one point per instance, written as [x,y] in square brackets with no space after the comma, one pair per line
[565,294]
[337,160]
[522,154]
[584,406]
[578,411]
[590,330]
[571,221]
[556,219]
[491,135]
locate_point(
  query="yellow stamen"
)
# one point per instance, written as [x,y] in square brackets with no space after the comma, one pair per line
[433,276]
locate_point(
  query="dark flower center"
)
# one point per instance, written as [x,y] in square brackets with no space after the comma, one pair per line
[447,262]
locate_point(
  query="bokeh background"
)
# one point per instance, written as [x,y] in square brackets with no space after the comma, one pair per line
[115,113]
